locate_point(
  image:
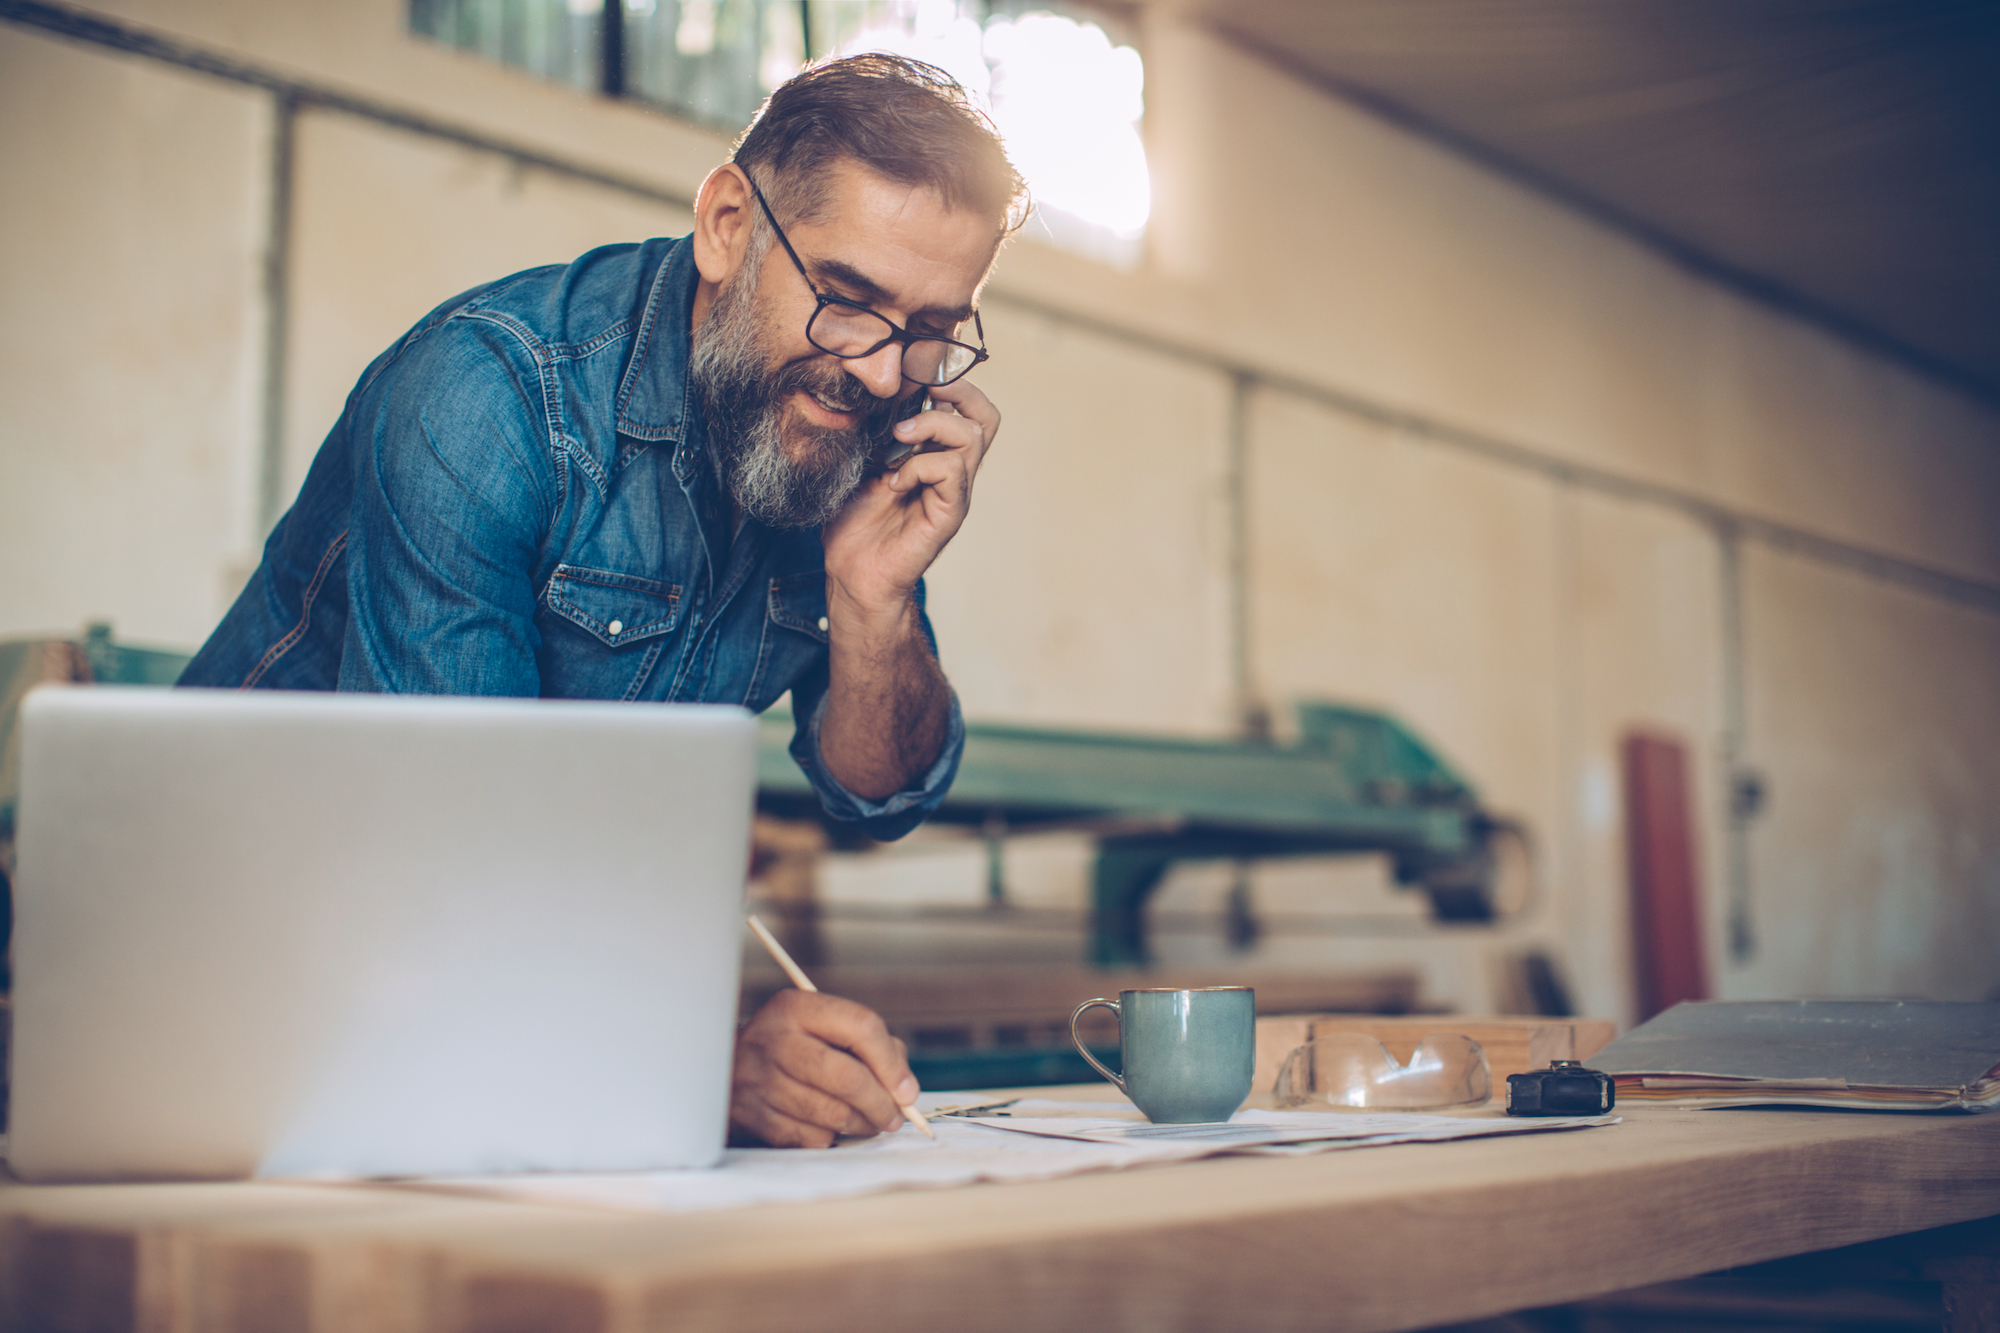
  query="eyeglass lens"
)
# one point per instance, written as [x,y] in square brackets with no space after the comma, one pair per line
[850,331]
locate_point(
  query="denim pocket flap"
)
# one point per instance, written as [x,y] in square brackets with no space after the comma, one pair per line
[798,602]
[617,608]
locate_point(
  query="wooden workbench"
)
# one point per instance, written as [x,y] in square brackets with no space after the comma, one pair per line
[1382,1238]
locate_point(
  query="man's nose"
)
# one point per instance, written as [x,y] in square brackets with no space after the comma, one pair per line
[881,370]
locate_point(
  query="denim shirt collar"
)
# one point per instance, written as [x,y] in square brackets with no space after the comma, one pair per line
[656,397]
[657,404]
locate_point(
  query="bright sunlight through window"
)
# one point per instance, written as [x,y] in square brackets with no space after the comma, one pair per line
[1067,101]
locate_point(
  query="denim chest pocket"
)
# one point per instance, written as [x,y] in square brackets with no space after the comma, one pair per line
[798,602]
[616,609]
[794,637]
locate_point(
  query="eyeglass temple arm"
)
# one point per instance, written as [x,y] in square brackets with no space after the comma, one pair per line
[783,239]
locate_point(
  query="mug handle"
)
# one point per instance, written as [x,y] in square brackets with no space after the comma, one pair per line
[1083,1050]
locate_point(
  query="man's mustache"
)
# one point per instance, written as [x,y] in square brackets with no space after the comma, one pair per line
[839,389]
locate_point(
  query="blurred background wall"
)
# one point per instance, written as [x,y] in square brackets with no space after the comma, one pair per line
[1363,418]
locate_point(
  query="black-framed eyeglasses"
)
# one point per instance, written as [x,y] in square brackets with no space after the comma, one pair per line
[850,330]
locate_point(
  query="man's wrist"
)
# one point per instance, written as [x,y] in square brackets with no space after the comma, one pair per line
[869,625]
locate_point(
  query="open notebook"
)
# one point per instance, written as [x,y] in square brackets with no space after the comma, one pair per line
[1884,1055]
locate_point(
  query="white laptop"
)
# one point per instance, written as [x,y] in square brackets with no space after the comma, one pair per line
[267,934]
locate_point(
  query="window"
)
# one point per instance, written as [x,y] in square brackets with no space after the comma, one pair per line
[712,60]
[1067,97]
[557,39]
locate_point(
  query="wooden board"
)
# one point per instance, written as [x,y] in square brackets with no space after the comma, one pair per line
[1663,866]
[1374,1239]
[1513,1045]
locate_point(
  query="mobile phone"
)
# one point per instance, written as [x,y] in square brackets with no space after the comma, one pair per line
[891,452]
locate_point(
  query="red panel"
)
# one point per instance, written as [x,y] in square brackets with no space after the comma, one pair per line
[1666,890]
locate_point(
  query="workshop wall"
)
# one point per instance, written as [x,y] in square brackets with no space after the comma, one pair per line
[1875,715]
[1093,589]
[390,224]
[1314,240]
[1370,423]
[1640,643]
[130,339]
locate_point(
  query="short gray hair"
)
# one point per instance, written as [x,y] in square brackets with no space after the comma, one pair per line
[905,120]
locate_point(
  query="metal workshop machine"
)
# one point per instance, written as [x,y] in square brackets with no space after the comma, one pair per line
[1354,781]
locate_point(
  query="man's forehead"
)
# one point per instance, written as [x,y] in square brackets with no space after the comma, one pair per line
[888,242]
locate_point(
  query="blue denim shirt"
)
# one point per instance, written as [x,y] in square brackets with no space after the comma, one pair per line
[518,500]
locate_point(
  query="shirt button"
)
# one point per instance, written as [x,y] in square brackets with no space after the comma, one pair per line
[616,627]
[822,624]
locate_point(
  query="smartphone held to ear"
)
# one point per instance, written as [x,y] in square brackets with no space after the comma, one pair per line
[891,452]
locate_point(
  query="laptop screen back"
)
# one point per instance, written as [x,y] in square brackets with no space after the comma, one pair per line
[288,934]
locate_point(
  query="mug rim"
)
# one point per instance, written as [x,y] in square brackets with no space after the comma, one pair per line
[1176,990]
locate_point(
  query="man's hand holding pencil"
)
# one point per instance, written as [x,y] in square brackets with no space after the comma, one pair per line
[811,1066]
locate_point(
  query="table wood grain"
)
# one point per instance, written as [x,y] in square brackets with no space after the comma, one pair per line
[1369,1239]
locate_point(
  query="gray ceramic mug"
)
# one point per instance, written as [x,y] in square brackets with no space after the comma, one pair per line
[1188,1054]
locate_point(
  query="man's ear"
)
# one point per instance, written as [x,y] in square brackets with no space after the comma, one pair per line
[722,219]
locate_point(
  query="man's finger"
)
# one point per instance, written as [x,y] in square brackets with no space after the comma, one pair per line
[839,1085]
[971,402]
[761,1086]
[753,1125]
[814,1104]
[859,1032]
[940,432]
[961,416]
[949,474]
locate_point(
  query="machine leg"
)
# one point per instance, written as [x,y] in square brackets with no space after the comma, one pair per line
[1124,878]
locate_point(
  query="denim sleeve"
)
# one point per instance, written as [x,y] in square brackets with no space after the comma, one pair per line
[893,816]
[453,489]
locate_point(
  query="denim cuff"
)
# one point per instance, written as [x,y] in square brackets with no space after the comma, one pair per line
[893,816]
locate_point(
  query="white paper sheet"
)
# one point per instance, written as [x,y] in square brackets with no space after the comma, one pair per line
[1029,1139]
[1296,1131]
[963,1153]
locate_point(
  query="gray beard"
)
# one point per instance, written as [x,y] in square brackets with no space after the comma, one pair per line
[745,403]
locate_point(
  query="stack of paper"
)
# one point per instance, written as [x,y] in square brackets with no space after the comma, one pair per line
[1861,1054]
[1016,1141]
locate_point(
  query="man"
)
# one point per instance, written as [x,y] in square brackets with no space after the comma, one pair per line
[652,474]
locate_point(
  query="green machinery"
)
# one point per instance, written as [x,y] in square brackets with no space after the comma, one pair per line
[1355,781]
[113,663]
[110,663]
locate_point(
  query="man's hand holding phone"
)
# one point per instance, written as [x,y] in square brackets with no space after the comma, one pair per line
[888,706]
[897,523]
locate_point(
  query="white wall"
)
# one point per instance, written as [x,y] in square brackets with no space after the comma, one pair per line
[131,239]
[1497,591]
[1875,711]
[1090,587]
